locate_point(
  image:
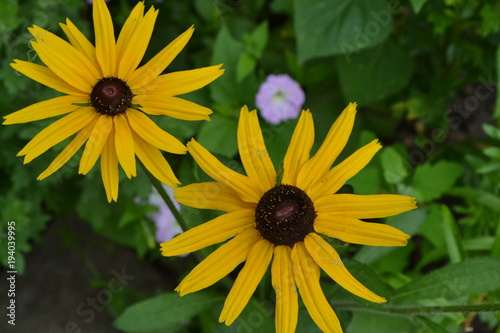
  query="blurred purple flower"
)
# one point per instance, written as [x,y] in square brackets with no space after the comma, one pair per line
[279,98]
[90,1]
[166,225]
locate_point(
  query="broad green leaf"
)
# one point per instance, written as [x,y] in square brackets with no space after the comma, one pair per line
[452,236]
[369,322]
[226,50]
[257,316]
[164,311]
[246,65]
[431,181]
[425,325]
[367,181]
[252,50]
[408,222]
[374,74]
[219,136]
[417,5]
[469,277]
[369,278]
[393,165]
[326,27]
[432,227]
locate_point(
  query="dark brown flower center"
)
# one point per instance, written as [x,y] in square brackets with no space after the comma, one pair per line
[111,96]
[285,215]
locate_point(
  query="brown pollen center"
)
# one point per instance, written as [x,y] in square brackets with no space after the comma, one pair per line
[111,96]
[285,215]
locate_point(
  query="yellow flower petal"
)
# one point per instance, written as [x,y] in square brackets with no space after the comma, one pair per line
[352,230]
[247,281]
[244,186]
[299,148]
[109,168]
[306,273]
[341,173]
[57,132]
[329,260]
[47,77]
[174,107]
[149,131]
[80,138]
[80,42]
[105,47]
[46,109]
[129,28]
[148,72]
[212,232]
[253,151]
[182,82]
[287,306]
[365,206]
[64,59]
[220,263]
[95,144]
[210,195]
[124,145]
[336,139]
[154,161]
[136,44]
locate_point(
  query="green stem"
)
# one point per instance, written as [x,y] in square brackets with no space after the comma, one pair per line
[422,309]
[158,186]
[226,281]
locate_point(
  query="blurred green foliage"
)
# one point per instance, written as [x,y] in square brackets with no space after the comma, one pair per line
[424,75]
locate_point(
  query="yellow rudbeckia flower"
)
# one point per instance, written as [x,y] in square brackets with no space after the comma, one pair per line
[269,217]
[107,97]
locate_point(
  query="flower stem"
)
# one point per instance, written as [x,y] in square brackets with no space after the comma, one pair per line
[158,186]
[226,281]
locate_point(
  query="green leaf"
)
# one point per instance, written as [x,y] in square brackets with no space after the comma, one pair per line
[252,50]
[370,279]
[495,248]
[496,113]
[431,181]
[226,50]
[246,65]
[453,239]
[393,165]
[369,322]
[417,5]
[493,152]
[257,40]
[164,311]
[469,277]
[326,27]
[374,74]
[425,325]
[408,222]
[492,131]
[432,228]
[257,316]
[482,197]
[10,16]
[219,136]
